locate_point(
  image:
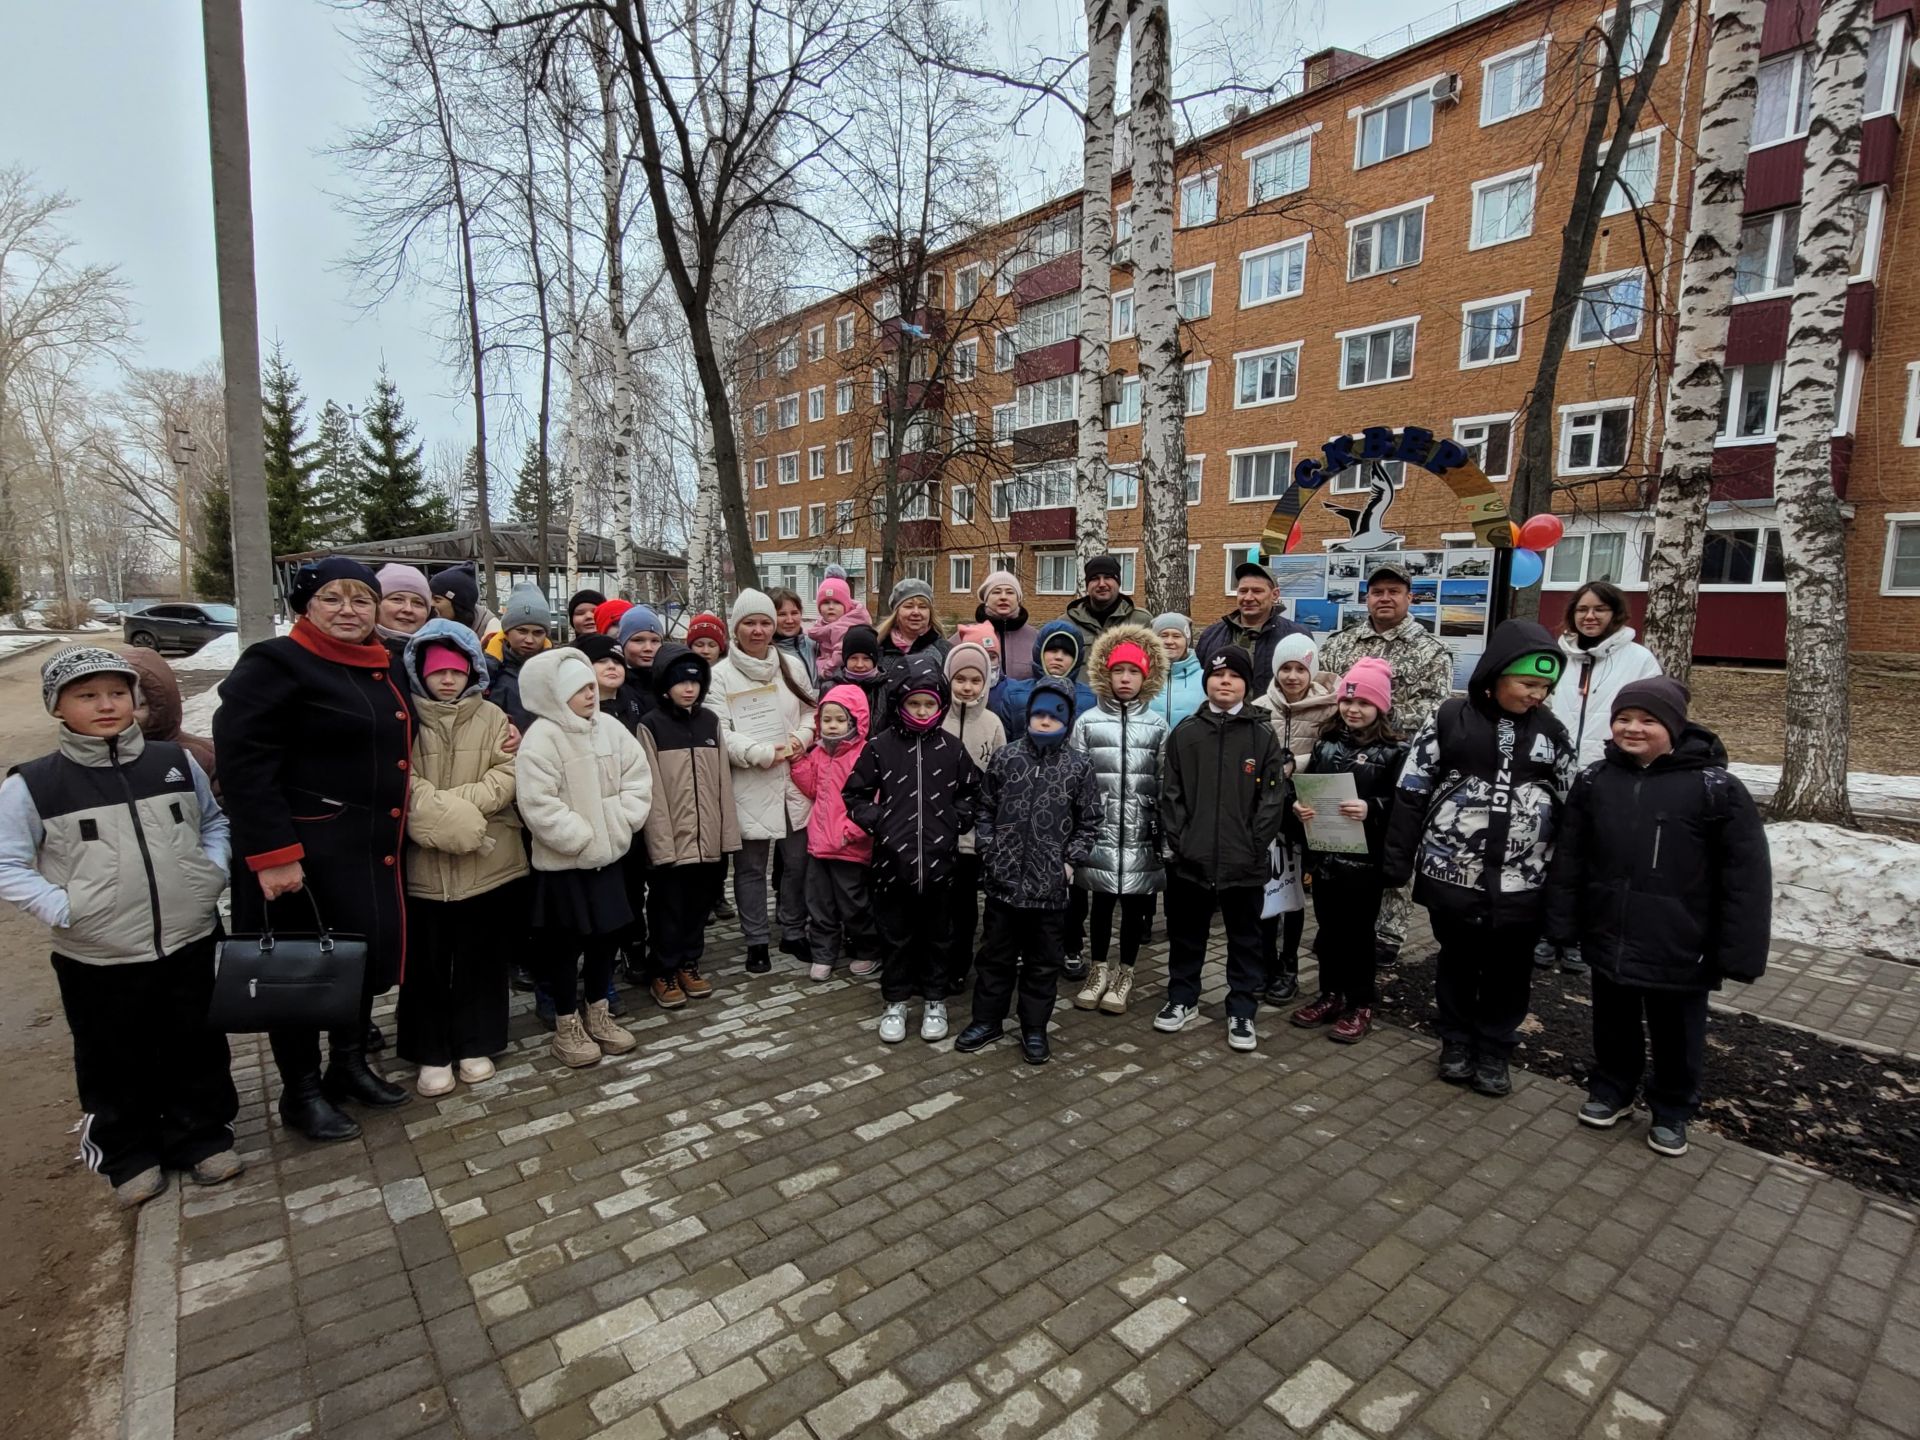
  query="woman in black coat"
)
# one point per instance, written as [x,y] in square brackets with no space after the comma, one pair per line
[314,734]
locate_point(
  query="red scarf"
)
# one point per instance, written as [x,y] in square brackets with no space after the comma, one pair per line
[369,654]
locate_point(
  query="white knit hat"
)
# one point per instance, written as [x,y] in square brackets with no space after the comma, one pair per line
[1295,647]
[77,663]
[750,602]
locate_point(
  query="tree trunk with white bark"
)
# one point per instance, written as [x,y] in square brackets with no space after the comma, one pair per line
[1163,439]
[1700,339]
[1105,29]
[626,385]
[1813,532]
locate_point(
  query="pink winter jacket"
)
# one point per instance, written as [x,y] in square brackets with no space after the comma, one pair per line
[828,634]
[821,777]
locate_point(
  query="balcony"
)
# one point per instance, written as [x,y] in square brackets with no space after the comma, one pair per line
[920,465]
[1058,276]
[1745,472]
[920,534]
[1026,527]
[1879,144]
[1046,362]
[926,395]
[934,322]
[1044,442]
[1775,175]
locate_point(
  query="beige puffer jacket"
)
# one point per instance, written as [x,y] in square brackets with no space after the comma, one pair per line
[1298,722]
[463,835]
[584,785]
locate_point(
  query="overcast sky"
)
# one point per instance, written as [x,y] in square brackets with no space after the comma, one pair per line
[109,105]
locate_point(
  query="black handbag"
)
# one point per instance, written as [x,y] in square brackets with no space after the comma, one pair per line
[280,981]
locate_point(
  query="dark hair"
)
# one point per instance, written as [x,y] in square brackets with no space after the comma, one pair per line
[1381,730]
[1610,594]
[781,596]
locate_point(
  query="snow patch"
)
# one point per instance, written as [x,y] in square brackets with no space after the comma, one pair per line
[219,653]
[1892,797]
[1845,890]
[14,644]
[196,715]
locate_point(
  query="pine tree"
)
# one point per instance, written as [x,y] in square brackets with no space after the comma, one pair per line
[290,461]
[525,504]
[213,559]
[333,495]
[393,494]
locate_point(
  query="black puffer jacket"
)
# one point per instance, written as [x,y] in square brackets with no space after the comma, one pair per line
[1039,812]
[914,791]
[1223,797]
[1662,876]
[1375,769]
[503,687]
[637,696]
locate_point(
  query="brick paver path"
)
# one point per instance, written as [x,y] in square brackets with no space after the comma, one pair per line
[766,1223]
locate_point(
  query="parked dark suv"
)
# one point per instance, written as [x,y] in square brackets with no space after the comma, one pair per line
[182,625]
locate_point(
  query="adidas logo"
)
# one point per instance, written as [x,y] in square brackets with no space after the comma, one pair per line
[174,776]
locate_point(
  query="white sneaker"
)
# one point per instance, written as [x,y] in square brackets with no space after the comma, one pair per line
[933,1022]
[434,1080]
[818,971]
[1240,1034]
[893,1023]
[476,1069]
[1174,1016]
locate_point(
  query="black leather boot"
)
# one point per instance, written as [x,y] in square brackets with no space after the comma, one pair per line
[349,1077]
[376,1039]
[304,1108]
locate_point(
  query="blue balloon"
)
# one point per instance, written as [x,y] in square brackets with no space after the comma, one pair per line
[1527,568]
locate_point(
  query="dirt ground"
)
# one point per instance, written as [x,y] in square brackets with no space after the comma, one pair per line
[64,1267]
[1747,709]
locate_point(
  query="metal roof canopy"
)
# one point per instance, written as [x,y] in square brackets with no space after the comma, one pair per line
[514,546]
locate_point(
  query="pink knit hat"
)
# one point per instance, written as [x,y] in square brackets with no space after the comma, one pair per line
[833,588]
[442,657]
[1370,679]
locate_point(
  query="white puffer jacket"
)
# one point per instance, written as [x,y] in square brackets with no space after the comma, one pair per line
[583,785]
[758,710]
[1583,700]
[1126,741]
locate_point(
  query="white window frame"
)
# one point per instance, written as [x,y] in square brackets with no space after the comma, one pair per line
[817,341]
[1896,71]
[1131,473]
[1563,447]
[817,518]
[816,404]
[1802,59]
[1241,357]
[1410,322]
[1006,560]
[963,428]
[966,360]
[1529,173]
[816,462]
[1125,411]
[1896,522]
[1061,562]
[1872,233]
[844,332]
[789,462]
[1776,235]
[1123,234]
[877,446]
[1373,222]
[880,378]
[1910,424]
[1006,345]
[1579,544]
[760,472]
[1358,479]
[1205,371]
[761,520]
[1047,393]
[787,358]
[780,411]
[1117,330]
[1360,113]
[1012,413]
[843,457]
[960,574]
[1209,178]
[1281,479]
[786,514]
[961,282]
[1493,302]
[1196,479]
[843,397]
[1619,199]
[1233,554]
[1735,390]
[760,419]
[960,504]
[843,513]
[1302,138]
[1574,342]
[1650,7]
[1517,52]
[1269,253]
[1184,275]
[1508,418]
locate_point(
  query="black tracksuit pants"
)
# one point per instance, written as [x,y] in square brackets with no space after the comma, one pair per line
[1346,907]
[1190,908]
[1136,914]
[680,898]
[963,916]
[913,953]
[836,906]
[635,873]
[1020,953]
[453,998]
[1625,1019]
[1483,980]
[153,1078]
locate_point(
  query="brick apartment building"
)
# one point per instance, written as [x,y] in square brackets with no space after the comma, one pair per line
[1380,249]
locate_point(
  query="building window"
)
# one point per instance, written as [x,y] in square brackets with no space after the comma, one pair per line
[1277,272]
[1196,472]
[1125,410]
[878,448]
[919,500]
[1042,487]
[788,360]
[1053,573]
[1004,349]
[816,519]
[1358,479]
[1594,438]
[879,386]
[922,432]
[759,419]
[965,426]
[1902,573]
[1123,315]
[962,504]
[1642,21]
[1869,219]
[1049,322]
[1767,247]
[1046,403]
[1265,377]
[1194,293]
[1783,103]
[1200,199]
[790,523]
[1502,209]
[1749,402]
[1049,239]
[786,411]
[1195,377]
[817,403]
[1513,83]
[843,397]
[843,457]
[759,525]
[1600,555]
[1374,357]
[816,342]
[1003,416]
[1390,241]
[759,474]
[1123,490]
[843,332]
[789,469]
[966,360]
[966,286]
[1489,440]
[817,463]
[918,567]
[1193,566]
[1490,330]
[1123,233]
[1639,169]
[1611,308]
[886,306]
[1910,425]
[1395,128]
[1237,555]
[1729,557]
[843,516]
[960,574]
[1280,168]
[1127,571]
[1004,560]
[1262,474]
[1881,94]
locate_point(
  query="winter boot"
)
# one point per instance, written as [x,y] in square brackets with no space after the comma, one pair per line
[611,1038]
[1096,986]
[1456,1062]
[758,961]
[349,1077]
[1119,989]
[667,993]
[694,985]
[1320,1011]
[571,1043]
[304,1107]
[1490,1076]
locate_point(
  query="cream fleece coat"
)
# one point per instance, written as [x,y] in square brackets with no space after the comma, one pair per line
[758,710]
[584,784]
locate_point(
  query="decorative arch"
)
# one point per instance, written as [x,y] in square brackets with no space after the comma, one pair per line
[1446,459]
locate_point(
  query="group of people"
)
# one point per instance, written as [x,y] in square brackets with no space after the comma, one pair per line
[467,794]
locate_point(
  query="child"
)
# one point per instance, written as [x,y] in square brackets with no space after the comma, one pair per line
[608,614]
[1356,740]
[1223,795]
[860,666]
[1661,875]
[584,789]
[1058,652]
[988,639]
[617,699]
[580,610]
[1301,701]
[116,843]
[1123,737]
[639,638]
[913,789]
[1186,688]
[790,635]
[526,620]
[610,676]
[464,855]
[838,851]
[839,613]
[691,827]
[1473,824]
[707,637]
[969,667]
[1038,818]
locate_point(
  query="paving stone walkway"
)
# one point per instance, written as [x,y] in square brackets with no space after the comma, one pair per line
[765,1223]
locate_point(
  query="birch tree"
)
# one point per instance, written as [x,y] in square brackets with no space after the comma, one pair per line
[1694,388]
[1813,531]
[1106,27]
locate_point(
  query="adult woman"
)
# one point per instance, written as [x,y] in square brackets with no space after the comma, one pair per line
[1003,606]
[1186,688]
[405,605]
[790,635]
[314,733]
[766,721]
[910,627]
[1601,657]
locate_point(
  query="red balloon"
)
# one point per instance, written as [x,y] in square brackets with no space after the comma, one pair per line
[1541,532]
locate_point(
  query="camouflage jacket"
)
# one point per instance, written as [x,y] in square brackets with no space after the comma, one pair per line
[1422,667]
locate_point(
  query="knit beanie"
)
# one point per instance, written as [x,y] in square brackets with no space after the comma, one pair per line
[637,621]
[1001,577]
[1536,665]
[399,579]
[1046,700]
[909,589]
[860,640]
[1295,647]
[77,662]
[1107,565]
[458,584]
[921,687]
[747,603]
[1371,679]
[1174,620]
[968,655]
[1127,653]
[705,626]
[1662,697]
[438,656]
[1233,658]
[584,597]
[1065,638]
[315,575]
[606,615]
[833,588]
[597,647]
[526,606]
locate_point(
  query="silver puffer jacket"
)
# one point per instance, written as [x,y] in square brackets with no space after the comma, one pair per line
[1125,743]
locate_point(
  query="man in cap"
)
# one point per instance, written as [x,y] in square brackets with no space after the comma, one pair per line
[1102,606]
[1255,624]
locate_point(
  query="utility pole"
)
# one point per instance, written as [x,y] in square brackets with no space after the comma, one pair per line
[182,451]
[229,150]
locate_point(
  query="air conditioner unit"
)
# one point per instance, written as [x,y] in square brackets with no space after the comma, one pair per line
[1445,90]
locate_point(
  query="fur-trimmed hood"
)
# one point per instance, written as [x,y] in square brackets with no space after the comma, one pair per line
[455,636]
[1128,634]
